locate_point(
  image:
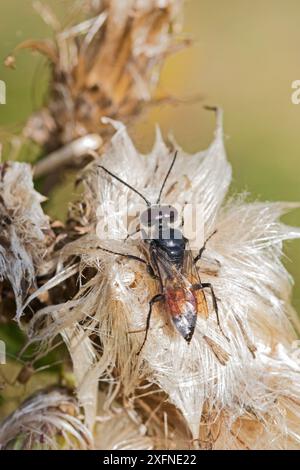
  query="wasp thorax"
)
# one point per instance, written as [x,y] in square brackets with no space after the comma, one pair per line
[158,215]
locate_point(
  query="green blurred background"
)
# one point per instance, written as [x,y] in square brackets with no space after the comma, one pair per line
[245,56]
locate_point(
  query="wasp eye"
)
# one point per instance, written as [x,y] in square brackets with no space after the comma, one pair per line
[158,214]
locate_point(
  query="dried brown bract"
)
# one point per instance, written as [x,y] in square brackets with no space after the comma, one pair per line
[106,65]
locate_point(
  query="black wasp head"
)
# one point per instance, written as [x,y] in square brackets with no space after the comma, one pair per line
[158,215]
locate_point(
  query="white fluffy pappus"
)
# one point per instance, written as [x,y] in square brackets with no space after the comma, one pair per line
[48,420]
[119,428]
[241,380]
[24,229]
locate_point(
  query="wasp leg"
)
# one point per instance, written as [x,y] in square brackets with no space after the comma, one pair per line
[136,258]
[207,285]
[156,298]
[204,247]
[150,271]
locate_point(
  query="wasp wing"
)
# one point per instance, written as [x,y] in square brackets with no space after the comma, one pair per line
[186,279]
[191,272]
[184,297]
[180,299]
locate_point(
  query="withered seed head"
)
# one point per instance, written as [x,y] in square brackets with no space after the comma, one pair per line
[107,65]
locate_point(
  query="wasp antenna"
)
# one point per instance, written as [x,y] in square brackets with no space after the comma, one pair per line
[125,184]
[166,177]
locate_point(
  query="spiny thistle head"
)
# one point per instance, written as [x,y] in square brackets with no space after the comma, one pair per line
[49,420]
[224,375]
[106,65]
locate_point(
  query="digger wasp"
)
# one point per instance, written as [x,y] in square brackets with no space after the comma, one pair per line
[172,264]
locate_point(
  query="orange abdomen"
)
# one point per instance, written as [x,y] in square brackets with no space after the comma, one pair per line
[178,300]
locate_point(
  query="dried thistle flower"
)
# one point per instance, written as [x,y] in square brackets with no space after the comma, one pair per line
[49,420]
[25,229]
[106,65]
[247,382]
[266,414]
[119,429]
